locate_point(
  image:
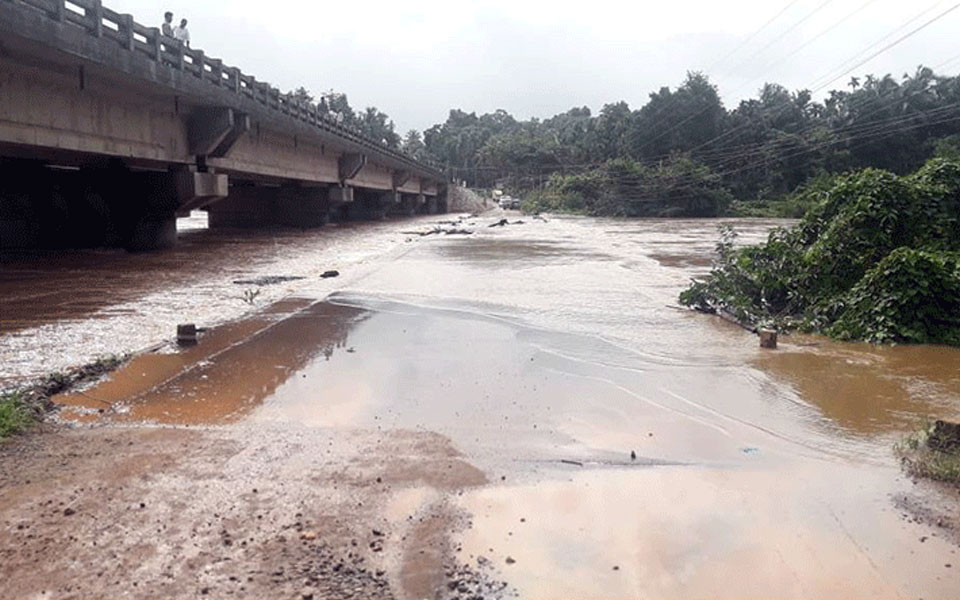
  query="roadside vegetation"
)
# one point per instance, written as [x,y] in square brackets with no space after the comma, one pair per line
[15,415]
[23,407]
[875,258]
[932,452]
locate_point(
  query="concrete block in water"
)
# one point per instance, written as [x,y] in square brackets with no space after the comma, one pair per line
[768,339]
[186,334]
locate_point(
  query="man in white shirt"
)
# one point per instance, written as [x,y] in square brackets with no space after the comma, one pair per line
[182,34]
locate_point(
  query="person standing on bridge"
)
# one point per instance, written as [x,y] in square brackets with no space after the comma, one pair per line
[167,27]
[182,34]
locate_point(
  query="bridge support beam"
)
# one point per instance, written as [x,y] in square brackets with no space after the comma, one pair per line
[349,165]
[213,131]
[105,205]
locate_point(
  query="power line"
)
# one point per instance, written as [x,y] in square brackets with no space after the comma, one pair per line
[753,35]
[947,62]
[884,49]
[673,100]
[733,154]
[775,63]
[892,44]
[803,20]
[736,129]
[681,185]
[863,134]
[878,42]
[821,34]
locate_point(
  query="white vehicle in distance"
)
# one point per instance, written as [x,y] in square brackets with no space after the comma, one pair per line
[510,203]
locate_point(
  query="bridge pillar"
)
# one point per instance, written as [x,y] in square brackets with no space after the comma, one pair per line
[103,205]
[409,204]
[302,207]
[340,194]
[390,203]
[250,206]
[365,205]
[429,206]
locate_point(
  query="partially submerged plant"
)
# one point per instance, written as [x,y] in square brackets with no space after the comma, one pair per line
[877,258]
[932,452]
[250,295]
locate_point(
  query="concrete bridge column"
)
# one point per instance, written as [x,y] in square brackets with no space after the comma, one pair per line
[242,207]
[429,206]
[390,203]
[367,205]
[302,207]
[100,205]
[409,204]
[341,199]
[249,206]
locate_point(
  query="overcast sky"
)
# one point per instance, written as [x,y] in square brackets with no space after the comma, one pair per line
[415,60]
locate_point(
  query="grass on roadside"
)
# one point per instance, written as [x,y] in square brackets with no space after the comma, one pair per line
[922,455]
[15,415]
[26,406]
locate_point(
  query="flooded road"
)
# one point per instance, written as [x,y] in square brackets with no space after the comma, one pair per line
[520,412]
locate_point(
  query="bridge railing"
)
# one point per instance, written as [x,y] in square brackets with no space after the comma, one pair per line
[102,22]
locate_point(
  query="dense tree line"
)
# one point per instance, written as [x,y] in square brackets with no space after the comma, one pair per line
[759,151]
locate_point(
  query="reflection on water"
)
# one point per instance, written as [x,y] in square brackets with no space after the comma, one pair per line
[706,533]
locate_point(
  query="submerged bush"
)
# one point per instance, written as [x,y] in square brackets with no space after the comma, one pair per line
[910,296]
[876,258]
[931,452]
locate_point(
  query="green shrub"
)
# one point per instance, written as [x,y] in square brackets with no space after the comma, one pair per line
[875,258]
[871,213]
[910,296]
[15,416]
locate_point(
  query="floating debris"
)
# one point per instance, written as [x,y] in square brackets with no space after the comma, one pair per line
[268,280]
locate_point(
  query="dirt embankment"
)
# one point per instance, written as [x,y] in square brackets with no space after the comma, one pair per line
[461,199]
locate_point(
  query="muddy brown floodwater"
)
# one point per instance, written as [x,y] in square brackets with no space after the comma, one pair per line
[520,412]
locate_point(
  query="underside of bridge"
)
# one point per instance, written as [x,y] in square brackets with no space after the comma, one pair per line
[105,144]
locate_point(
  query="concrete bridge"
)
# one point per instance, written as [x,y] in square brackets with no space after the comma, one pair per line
[109,130]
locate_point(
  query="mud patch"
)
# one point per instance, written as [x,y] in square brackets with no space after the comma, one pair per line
[232,512]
